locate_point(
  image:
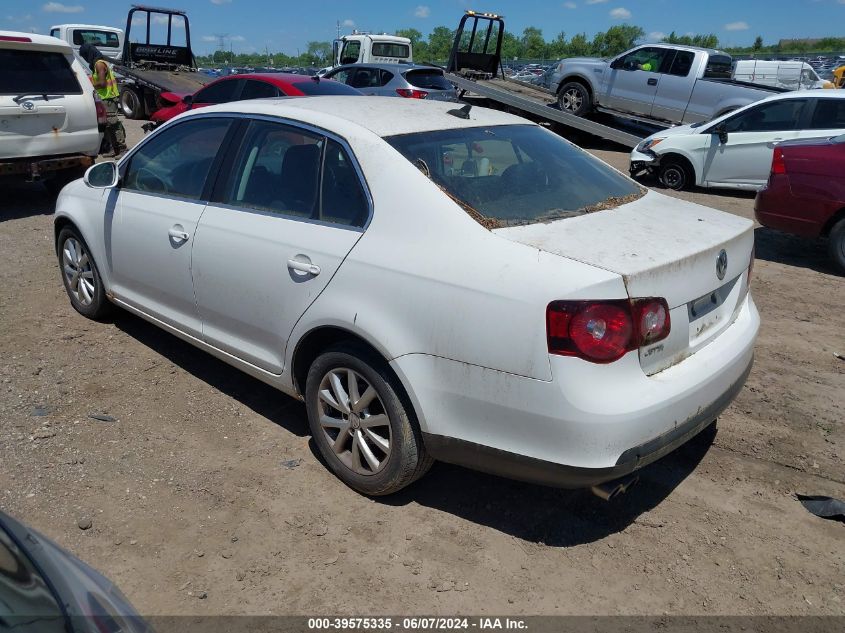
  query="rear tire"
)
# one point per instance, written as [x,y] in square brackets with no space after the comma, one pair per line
[836,245]
[374,448]
[574,98]
[131,103]
[674,175]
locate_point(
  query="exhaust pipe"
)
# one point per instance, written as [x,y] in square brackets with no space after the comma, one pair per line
[612,489]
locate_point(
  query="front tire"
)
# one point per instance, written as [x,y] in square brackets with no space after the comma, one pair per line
[836,245]
[674,175]
[80,276]
[574,98]
[359,423]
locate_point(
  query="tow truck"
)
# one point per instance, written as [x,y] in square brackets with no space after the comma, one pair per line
[475,68]
[147,69]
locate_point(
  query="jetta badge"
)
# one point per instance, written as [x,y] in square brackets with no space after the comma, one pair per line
[28,105]
[722,264]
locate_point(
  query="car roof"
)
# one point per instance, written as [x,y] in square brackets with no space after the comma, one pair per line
[397,68]
[275,78]
[383,116]
[85,26]
[41,42]
[805,94]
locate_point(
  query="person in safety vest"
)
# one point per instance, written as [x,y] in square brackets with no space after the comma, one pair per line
[106,85]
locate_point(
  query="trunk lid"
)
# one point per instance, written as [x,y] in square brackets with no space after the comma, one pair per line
[662,247]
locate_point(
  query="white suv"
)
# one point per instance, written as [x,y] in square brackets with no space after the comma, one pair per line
[51,120]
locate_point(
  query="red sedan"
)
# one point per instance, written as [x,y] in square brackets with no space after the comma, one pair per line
[243,87]
[805,194]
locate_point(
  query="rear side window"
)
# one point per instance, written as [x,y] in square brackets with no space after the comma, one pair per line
[383,49]
[97,38]
[177,161]
[829,115]
[254,89]
[218,92]
[343,198]
[366,78]
[37,72]
[718,67]
[428,79]
[682,64]
[313,88]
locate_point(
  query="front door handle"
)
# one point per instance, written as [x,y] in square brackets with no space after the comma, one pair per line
[177,233]
[652,82]
[304,267]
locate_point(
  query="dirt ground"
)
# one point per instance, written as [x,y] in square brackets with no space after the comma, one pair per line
[206,496]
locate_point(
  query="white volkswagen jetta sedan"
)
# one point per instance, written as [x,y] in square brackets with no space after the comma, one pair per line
[433,284]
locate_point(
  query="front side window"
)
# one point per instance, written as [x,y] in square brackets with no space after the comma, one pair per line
[177,161]
[366,78]
[36,72]
[515,174]
[351,51]
[343,76]
[776,116]
[291,172]
[828,115]
[648,59]
[218,92]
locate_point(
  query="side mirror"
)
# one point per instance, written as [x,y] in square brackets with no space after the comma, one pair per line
[103,175]
[188,100]
[723,134]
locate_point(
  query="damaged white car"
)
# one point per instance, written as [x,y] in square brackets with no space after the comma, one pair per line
[434,282]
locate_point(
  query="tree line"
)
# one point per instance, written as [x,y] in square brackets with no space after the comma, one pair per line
[531,44]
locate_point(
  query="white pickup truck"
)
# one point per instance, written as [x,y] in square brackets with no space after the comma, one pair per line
[51,120]
[656,82]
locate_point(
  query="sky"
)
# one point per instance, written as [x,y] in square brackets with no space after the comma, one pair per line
[288,26]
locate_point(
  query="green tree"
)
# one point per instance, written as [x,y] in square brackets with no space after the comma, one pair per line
[579,46]
[511,46]
[319,51]
[758,43]
[557,48]
[616,39]
[533,44]
[440,43]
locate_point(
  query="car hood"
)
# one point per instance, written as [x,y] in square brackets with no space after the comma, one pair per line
[597,61]
[678,130]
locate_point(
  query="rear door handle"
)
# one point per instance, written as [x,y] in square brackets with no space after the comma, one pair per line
[652,82]
[178,234]
[304,267]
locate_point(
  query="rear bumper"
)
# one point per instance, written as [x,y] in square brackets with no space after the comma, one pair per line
[38,168]
[590,424]
[776,208]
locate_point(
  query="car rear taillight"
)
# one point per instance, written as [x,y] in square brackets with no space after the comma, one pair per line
[14,38]
[778,162]
[604,331]
[411,94]
[102,113]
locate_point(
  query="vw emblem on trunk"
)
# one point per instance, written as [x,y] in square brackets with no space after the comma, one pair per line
[27,105]
[722,264]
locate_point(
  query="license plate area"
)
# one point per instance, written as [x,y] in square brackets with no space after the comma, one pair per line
[712,312]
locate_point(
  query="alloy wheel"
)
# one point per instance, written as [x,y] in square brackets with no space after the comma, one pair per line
[572,100]
[354,421]
[78,271]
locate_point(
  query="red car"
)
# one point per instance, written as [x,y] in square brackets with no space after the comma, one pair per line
[243,87]
[805,194]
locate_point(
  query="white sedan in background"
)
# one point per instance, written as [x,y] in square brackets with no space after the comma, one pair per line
[734,151]
[434,284]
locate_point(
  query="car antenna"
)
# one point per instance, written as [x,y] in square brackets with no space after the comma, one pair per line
[461,113]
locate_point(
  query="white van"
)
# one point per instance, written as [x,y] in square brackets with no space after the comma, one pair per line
[107,39]
[792,75]
[51,120]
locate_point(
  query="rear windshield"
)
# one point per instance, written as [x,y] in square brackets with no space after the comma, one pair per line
[718,67]
[27,72]
[391,50]
[324,87]
[428,79]
[97,38]
[515,174]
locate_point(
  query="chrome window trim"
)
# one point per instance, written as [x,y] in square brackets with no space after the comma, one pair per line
[307,127]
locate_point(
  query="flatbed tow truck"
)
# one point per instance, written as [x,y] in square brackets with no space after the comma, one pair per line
[475,68]
[147,69]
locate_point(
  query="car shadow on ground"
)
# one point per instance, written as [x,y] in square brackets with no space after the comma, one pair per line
[549,516]
[261,398]
[560,518]
[18,201]
[782,248]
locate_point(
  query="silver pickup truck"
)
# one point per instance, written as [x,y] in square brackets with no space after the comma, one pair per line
[671,84]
